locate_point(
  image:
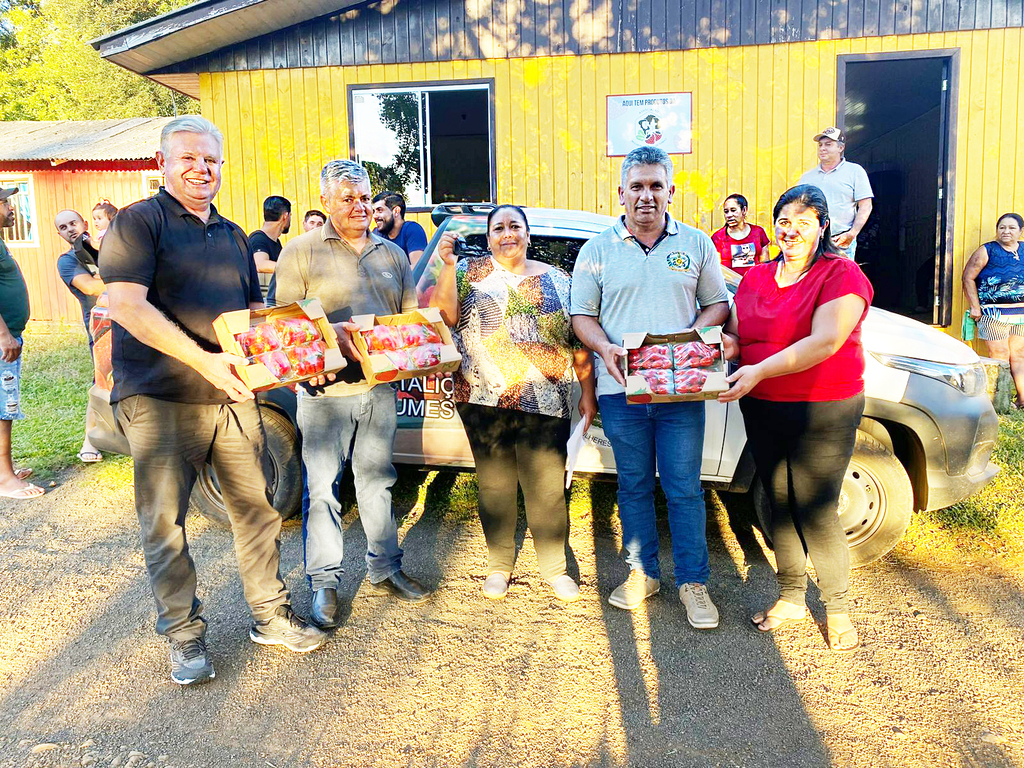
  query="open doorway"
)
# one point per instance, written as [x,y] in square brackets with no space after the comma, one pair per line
[896,111]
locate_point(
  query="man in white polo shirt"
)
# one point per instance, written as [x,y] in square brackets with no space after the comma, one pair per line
[846,189]
[651,273]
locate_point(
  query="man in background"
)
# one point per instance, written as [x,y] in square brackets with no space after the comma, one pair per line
[389,216]
[85,284]
[265,242]
[846,189]
[14,313]
[313,220]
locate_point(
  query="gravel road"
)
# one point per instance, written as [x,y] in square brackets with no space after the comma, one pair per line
[461,681]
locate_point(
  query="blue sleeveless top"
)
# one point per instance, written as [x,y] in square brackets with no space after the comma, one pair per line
[1002,279]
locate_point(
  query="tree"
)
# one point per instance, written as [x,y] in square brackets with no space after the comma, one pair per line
[49,71]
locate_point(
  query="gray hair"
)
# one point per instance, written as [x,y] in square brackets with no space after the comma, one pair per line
[189,124]
[647,156]
[341,170]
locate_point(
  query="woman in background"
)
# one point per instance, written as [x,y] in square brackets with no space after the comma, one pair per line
[740,245]
[994,284]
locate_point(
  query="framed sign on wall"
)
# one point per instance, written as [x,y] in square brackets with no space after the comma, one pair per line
[650,119]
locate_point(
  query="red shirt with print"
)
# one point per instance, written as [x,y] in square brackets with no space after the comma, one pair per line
[771,318]
[740,255]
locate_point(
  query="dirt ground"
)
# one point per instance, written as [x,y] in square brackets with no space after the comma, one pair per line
[462,681]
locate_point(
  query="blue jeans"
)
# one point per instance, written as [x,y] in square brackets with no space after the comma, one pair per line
[669,436]
[360,428]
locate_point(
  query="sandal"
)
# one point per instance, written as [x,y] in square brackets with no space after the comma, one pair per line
[23,474]
[838,644]
[761,617]
[496,586]
[90,457]
[29,491]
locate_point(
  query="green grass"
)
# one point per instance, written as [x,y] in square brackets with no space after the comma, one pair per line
[56,374]
[991,521]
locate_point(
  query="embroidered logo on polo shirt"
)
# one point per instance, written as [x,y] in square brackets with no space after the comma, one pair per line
[678,261]
[388,275]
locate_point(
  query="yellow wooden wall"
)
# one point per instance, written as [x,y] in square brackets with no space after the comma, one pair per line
[755,109]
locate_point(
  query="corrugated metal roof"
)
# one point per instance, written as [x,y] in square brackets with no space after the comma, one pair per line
[134,139]
[205,26]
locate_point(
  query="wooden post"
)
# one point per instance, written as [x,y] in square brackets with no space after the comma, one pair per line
[1000,384]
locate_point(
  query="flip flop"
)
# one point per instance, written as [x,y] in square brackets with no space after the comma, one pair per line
[836,643]
[762,616]
[30,491]
[90,457]
[23,474]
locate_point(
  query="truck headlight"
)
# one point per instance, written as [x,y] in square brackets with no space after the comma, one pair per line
[969,379]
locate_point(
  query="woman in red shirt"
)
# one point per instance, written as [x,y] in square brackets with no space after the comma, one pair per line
[796,326]
[740,245]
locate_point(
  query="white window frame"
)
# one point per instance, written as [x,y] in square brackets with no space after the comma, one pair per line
[418,89]
[30,194]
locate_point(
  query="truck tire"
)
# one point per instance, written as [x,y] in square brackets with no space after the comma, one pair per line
[285,473]
[875,503]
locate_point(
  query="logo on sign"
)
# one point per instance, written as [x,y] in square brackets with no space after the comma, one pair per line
[649,130]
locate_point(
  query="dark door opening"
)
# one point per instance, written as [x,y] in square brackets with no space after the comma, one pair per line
[895,112]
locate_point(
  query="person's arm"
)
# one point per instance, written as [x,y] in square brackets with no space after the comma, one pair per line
[713,314]
[264,264]
[417,242]
[590,332]
[831,325]
[89,285]
[731,336]
[446,292]
[863,213]
[583,365]
[130,308]
[10,347]
[973,268]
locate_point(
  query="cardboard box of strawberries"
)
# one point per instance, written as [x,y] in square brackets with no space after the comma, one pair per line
[282,346]
[404,346]
[674,367]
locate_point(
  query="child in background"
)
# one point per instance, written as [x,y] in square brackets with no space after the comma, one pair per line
[102,214]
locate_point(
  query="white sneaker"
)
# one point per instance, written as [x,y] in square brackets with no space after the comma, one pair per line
[634,590]
[700,611]
[496,586]
[565,588]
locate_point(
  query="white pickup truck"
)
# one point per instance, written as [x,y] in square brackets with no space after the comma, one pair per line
[924,443]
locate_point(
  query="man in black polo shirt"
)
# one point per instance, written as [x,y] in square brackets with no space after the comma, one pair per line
[172,264]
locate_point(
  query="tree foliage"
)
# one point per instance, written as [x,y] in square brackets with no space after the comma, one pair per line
[49,71]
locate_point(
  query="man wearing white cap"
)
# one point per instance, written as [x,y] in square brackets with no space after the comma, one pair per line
[846,189]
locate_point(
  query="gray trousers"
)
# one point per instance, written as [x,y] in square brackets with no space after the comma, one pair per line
[170,442]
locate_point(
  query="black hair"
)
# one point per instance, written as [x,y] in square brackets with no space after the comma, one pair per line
[810,197]
[109,209]
[1015,216]
[391,199]
[314,212]
[739,199]
[274,207]
[507,206]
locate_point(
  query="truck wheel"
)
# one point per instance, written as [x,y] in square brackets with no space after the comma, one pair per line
[875,503]
[285,473]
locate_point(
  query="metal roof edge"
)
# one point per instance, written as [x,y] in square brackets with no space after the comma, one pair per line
[204,10]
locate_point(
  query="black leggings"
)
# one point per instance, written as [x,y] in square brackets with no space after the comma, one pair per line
[802,451]
[513,448]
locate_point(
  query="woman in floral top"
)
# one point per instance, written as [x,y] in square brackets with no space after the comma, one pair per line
[510,320]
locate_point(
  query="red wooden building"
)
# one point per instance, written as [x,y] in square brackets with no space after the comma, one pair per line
[69,164]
